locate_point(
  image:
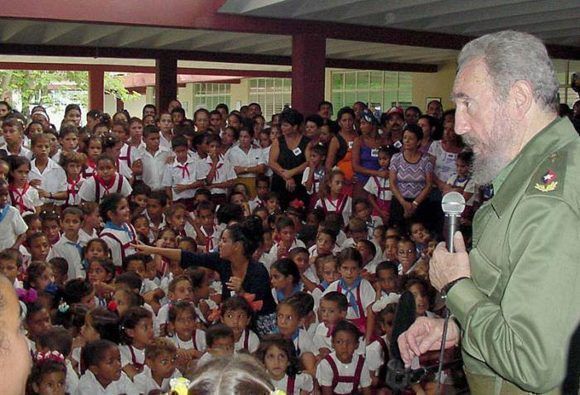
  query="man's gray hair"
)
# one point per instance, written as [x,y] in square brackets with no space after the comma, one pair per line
[511,56]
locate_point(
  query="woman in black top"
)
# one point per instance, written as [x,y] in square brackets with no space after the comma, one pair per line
[239,274]
[288,159]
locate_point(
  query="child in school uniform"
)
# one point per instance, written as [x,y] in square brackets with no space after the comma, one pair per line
[103,374]
[180,177]
[262,190]
[69,245]
[136,334]
[104,182]
[45,174]
[220,343]
[217,171]
[285,241]
[189,340]
[380,194]
[118,232]
[13,134]
[332,310]
[154,158]
[358,291]
[279,357]
[237,314]
[332,198]
[159,367]
[22,196]
[314,173]
[289,320]
[12,226]
[344,371]
[73,163]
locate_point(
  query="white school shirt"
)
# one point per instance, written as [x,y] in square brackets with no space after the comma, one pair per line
[53,179]
[379,187]
[129,154]
[127,357]
[72,252]
[199,344]
[153,167]
[324,374]
[25,152]
[89,385]
[256,202]
[72,378]
[225,172]
[164,141]
[272,255]
[303,343]
[73,197]
[323,339]
[367,296]
[375,356]
[318,176]
[372,223]
[330,205]
[212,241]
[145,383]
[253,341]
[29,199]
[467,184]
[238,157]
[11,227]
[84,237]
[302,382]
[266,158]
[180,173]
[89,189]
[118,242]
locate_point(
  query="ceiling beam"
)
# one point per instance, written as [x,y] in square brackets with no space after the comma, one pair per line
[139,53]
[140,69]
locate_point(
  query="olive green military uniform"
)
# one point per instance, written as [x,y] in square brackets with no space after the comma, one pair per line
[522,304]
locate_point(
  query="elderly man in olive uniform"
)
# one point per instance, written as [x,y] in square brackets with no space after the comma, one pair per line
[515,297]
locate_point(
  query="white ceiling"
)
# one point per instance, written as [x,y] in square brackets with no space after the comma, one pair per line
[555,21]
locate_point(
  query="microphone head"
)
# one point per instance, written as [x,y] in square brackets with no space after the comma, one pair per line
[453,203]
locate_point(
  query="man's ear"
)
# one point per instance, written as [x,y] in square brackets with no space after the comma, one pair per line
[521,99]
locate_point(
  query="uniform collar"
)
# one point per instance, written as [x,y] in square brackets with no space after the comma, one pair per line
[517,174]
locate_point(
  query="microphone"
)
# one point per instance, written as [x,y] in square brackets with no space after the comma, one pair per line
[453,204]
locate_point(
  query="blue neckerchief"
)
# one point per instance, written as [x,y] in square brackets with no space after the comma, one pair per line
[280,295]
[4,212]
[77,246]
[296,334]
[324,284]
[349,294]
[122,228]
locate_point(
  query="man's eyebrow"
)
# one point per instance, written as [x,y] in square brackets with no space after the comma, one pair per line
[459,95]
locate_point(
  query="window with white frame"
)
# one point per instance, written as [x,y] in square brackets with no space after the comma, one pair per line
[271,93]
[382,89]
[210,95]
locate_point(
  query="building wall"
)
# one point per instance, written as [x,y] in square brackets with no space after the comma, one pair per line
[438,85]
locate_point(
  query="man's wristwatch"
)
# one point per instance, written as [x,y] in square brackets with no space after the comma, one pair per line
[445,290]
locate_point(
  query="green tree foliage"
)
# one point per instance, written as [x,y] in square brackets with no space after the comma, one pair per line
[35,86]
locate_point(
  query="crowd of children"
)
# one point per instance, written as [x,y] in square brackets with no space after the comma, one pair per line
[101,317]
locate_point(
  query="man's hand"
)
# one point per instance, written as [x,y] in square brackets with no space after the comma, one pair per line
[445,267]
[425,335]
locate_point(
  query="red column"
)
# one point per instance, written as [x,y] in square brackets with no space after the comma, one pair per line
[96,89]
[165,81]
[308,60]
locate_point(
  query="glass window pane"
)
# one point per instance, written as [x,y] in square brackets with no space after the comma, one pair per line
[362,80]
[337,80]
[349,98]
[350,81]
[376,80]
